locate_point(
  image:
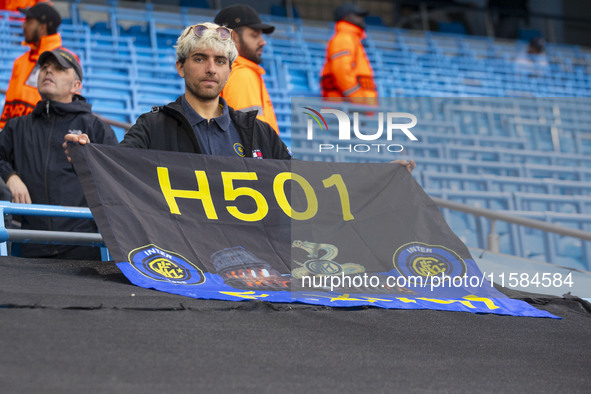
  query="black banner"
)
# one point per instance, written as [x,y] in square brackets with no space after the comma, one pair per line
[286,231]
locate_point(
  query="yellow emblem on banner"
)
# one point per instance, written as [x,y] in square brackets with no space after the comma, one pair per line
[167,268]
[428,266]
[321,262]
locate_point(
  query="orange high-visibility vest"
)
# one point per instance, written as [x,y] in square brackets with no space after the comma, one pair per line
[22,94]
[246,91]
[14,5]
[347,71]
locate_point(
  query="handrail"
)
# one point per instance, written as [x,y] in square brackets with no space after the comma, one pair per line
[57,237]
[124,125]
[13,208]
[44,236]
[505,217]
[493,238]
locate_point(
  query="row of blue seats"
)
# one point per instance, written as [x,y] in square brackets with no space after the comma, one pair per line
[430,42]
[476,131]
[186,16]
[512,201]
[298,46]
[458,166]
[294,79]
[499,183]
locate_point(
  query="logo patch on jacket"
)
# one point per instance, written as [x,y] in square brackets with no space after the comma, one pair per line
[257,154]
[239,149]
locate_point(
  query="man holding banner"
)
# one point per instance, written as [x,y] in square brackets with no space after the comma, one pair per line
[232,229]
[200,121]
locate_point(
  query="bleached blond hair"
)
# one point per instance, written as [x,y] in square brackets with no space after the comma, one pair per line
[189,42]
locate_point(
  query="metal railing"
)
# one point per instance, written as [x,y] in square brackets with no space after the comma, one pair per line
[493,237]
[43,236]
[124,125]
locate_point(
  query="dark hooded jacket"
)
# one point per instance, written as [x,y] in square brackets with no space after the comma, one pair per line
[31,146]
[167,128]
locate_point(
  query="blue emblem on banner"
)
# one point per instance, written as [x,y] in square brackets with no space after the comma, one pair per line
[165,266]
[419,259]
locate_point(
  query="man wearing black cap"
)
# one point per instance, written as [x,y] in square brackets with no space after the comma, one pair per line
[347,71]
[40,31]
[32,160]
[245,89]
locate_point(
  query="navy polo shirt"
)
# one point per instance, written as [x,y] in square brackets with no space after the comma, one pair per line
[218,136]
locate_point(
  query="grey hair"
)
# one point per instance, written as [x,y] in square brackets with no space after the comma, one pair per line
[189,42]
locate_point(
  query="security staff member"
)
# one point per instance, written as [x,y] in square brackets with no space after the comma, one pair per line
[246,90]
[40,31]
[347,71]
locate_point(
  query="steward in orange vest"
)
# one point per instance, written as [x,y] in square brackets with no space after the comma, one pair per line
[13,5]
[40,31]
[245,89]
[347,71]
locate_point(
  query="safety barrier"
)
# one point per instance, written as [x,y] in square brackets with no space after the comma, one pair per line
[47,237]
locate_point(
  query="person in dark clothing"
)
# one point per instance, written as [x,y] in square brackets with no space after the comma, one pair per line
[200,121]
[32,161]
[181,137]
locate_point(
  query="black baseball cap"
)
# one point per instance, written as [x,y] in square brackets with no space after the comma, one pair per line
[242,15]
[44,13]
[65,57]
[346,9]
[537,43]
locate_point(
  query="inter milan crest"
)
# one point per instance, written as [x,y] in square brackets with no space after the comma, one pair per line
[159,264]
[417,259]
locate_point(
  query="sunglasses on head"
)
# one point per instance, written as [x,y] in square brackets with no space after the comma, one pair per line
[223,32]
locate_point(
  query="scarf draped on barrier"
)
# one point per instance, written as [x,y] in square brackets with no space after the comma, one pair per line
[335,234]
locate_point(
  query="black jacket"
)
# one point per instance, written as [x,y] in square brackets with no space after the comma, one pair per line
[31,146]
[167,128]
